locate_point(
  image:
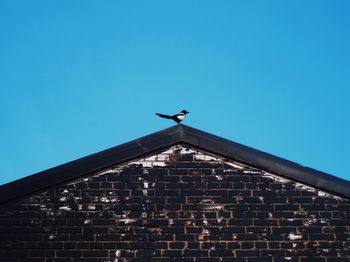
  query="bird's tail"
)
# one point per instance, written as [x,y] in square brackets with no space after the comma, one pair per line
[164,116]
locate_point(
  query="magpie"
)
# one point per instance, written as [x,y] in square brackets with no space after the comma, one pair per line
[177,118]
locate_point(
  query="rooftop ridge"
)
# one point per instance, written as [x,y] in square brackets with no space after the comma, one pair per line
[165,138]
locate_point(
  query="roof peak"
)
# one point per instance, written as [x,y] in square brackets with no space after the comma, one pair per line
[178,134]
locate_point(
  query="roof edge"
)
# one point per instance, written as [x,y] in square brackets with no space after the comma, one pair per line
[163,139]
[91,163]
[267,162]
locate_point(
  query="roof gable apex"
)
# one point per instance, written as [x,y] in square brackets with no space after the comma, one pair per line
[179,134]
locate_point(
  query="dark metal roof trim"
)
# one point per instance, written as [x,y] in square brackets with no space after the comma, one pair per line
[267,162]
[161,140]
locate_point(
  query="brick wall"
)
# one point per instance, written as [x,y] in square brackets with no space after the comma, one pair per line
[178,205]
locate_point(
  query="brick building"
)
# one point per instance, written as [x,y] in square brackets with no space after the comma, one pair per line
[176,195]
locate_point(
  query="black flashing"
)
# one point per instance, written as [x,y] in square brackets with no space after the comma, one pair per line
[163,139]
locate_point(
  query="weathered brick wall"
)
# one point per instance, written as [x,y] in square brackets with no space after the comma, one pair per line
[179,205]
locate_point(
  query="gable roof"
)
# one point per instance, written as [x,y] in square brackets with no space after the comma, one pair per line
[179,134]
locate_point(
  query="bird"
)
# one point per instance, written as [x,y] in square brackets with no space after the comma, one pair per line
[177,118]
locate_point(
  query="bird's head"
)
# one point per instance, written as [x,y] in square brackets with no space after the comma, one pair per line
[185,112]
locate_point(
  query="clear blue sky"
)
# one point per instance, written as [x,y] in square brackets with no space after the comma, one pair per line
[77,77]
